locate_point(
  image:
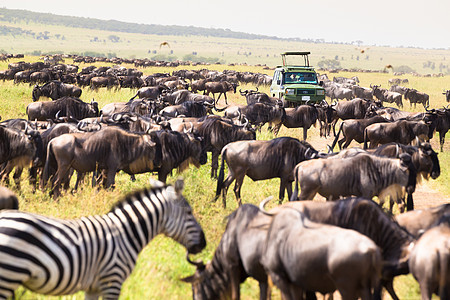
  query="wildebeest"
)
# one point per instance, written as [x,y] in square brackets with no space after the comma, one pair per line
[55,90]
[22,76]
[253,96]
[402,131]
[151,92]
[262,160]
[178,150]
[217,134]
[387,96]
[447,95]
[430,260]
[419,221]
[415,97]
[111,150]
[362,92]
[221,87]
[260,113]
[336,92]
[442,124]
[100,81]
[376,176]
[301,116]
[236,258]
[64,107]
[8,200]
[297,260]
[187,109]
[199,85]
[369,219]
[180,96]
[353,129]
[354,109]
[40,77]
[19,149]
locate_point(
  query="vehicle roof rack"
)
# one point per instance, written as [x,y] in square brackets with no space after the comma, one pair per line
[296,53]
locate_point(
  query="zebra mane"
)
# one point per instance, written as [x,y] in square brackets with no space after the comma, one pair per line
[130,197]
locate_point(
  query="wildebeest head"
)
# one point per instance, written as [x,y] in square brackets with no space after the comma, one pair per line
[94,111]
[428,160]
[36,93]
[407,163]
[197,149]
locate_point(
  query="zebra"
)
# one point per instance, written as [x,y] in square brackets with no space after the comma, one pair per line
[94,254]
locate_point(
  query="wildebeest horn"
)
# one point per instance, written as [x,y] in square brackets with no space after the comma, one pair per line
[26,128]
[114,117]
[57,114]
[190,130]
[262,205]
[198,264]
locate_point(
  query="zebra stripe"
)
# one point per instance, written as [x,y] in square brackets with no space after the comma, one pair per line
[96,253]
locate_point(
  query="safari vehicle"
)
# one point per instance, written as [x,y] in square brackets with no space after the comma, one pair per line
[296,83]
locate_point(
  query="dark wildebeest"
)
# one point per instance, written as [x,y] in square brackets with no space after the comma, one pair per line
[399,89]
[362,92]
[447,95]
[415,97]
[262,160]
[253,96]
[339,92]
[111,150]
[430,260]
[402,131]
[366,217]
[99,81]
[180,96]
[221,87]
[376,176]
[303,116]
[138,106]
[260,113]
[64,107]
[18,149]
[132,81]
[178,150]
[354,109]
[151,92]
[442,124]
[8,200]
[55,90]
[217,134]
[22,76]
[40,77]
[387,96]
[199,85]
[187,109]
[353,129]
[237,257]
[417,222]
[302,255]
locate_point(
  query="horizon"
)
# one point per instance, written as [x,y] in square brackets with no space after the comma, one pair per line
[403,31]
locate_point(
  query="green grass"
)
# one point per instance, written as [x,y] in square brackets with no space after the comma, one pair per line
[162,263]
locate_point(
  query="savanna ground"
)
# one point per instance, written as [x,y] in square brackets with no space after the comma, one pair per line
[162,263]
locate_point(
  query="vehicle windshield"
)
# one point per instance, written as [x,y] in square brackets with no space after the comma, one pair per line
[300,77]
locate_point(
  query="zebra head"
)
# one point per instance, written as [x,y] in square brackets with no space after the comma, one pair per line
[181,224]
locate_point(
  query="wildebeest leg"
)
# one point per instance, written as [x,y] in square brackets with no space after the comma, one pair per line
[80,178]
[237,187]
[235,278]
[214,163]
[307,194]
[32,172]
[4,173]
[305,133]
[110,177]
[16,176]
[62,172]
[265,291]
[226,100]
[276,129]
[441,140]
[284,185]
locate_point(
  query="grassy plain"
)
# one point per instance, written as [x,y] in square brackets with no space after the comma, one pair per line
[162,263]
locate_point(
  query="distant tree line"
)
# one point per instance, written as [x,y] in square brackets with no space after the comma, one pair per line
[16,15]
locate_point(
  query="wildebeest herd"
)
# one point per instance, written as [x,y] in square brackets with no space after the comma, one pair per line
[348,244]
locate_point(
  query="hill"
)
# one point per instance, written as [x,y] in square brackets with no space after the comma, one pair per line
[34,33]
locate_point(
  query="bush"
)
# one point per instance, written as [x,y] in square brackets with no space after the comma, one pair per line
[405,69]
[329,63]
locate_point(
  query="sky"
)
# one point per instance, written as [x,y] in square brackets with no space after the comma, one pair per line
[411,23]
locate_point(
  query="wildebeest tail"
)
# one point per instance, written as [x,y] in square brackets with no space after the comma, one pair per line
[132,98]
[221,175]
[409,202]
[294,195]
[49,167]
[365,138]
[337,136]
